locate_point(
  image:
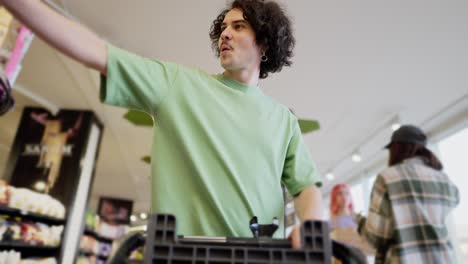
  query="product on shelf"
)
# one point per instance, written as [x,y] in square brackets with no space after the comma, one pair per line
[10,257]
[96,243]
[89,244]
[111,231]
[39,261]
[104,249]
[91,220]
[103,229]
[30,201]
[51,235]
[89,260]
[4,193]
[13,257]
[14,229]
[10,230]
[30,234]
[27,200]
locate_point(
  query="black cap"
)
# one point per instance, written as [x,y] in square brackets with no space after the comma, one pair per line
[408,134]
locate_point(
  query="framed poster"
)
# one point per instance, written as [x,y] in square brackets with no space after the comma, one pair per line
[48,152]
[115,210]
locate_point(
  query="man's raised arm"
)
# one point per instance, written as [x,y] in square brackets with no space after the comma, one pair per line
[69,37]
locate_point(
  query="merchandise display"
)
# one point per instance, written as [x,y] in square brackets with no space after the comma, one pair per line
[48,180]
[96,226]
[13,257]
[96,242]
[30,201]
[31,226]
[15,229]
[111,231]
[89,260]
[90,244]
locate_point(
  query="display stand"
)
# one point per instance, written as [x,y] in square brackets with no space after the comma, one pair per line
[71,178]
[31,216]
[30,250]
[27,250]
[98,237]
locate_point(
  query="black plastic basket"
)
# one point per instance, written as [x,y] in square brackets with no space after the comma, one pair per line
[165,247]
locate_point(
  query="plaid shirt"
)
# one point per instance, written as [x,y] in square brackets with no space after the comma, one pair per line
[406,220]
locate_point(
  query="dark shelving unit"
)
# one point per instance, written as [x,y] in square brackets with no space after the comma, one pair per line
[87,253]
[98,237]
[31,216]
[28,250]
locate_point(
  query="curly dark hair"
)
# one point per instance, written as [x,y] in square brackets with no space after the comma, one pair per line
[272,28]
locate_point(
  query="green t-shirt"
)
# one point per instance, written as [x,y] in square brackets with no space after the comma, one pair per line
[221,149]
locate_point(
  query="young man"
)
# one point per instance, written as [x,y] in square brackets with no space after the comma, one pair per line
[409,204]
[222,148]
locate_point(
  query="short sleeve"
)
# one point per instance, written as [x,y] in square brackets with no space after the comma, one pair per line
[136,82]
[299,171]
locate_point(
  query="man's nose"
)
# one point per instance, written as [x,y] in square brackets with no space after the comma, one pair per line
[226,34]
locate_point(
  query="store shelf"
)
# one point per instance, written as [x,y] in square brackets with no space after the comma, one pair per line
[90,253]
[98,237]
[30,250]
[31,216]
[134,262]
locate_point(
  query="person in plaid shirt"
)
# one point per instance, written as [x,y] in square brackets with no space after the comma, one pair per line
[409,204]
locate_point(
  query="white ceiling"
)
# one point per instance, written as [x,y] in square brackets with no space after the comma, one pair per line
[357,65]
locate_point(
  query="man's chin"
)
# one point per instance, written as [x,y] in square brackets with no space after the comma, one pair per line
[226,65]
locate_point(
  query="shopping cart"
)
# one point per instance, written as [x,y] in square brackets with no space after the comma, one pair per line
[163,245]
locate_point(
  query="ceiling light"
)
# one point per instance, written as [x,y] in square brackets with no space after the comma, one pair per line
[40,186]
[143,216]
[356,157]
[133,218]
[330,176]
[395,123]
[396,126]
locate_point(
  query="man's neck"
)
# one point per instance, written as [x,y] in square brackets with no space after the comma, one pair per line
[246,77]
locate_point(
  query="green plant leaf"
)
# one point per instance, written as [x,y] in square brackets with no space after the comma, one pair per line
[308,126]
[146,159]
[139,118]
